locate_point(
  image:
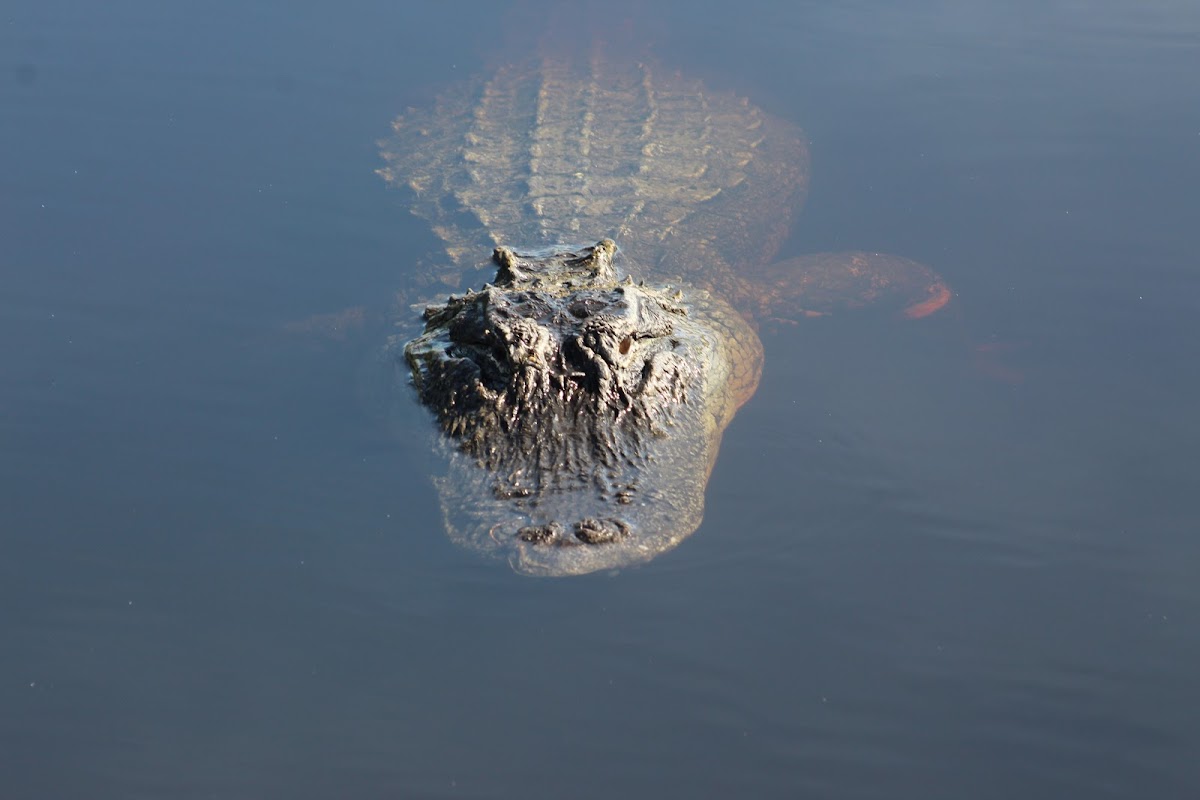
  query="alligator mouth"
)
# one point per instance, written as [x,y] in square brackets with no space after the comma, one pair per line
[580,414]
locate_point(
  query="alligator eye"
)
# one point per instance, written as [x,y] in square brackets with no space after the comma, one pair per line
[625,345]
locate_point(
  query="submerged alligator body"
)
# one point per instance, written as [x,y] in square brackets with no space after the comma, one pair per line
[581,396]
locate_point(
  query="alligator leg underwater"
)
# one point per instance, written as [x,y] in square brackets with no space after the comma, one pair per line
[826,283]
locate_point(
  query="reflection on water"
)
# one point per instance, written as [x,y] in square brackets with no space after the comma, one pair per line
[222,579]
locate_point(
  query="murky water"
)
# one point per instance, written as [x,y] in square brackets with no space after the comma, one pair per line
[945,559]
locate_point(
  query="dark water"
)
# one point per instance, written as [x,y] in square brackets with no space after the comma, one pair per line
[941,560]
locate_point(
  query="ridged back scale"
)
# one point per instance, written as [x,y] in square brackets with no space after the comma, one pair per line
[693,185]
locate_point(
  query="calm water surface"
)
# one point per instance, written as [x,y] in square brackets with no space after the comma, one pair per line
[940,560]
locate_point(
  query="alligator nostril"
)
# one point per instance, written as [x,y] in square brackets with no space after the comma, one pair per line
[541,534]
[600,531]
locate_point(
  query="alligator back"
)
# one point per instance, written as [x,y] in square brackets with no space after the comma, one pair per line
[689,183]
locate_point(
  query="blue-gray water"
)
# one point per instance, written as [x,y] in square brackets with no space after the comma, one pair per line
[947,559]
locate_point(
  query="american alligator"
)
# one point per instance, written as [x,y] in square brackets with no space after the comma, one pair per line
[582,394]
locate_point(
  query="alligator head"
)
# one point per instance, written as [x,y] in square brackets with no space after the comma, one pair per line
[581,414]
